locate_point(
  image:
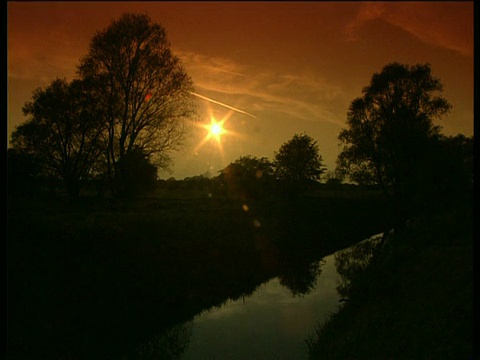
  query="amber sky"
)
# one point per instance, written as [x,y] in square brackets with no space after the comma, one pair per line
[295,66]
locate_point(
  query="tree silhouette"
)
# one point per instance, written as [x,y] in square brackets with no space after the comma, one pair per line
[142,86]
[62,131]
[333,179]
[298,162]
[140,175]
[247,176]
[390,129]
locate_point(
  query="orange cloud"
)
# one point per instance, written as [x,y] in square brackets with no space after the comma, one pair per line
[295,94]
[447,25]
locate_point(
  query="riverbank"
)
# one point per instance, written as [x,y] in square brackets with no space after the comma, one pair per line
[414,300]
[100,278]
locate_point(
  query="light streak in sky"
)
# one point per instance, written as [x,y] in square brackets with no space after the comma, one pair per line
[224,105]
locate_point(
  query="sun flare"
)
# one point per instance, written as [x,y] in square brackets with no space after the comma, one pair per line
[215,132]
[215,129]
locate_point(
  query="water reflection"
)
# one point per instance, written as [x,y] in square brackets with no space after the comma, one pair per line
[300,279]
[273,322]
[350,262]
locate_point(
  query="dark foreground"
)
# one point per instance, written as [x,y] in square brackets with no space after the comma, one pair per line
[414,300]
[101,279]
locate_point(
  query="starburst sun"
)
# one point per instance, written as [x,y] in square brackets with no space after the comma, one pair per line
[215,129]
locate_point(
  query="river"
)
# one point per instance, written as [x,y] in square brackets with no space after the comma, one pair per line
[272,323]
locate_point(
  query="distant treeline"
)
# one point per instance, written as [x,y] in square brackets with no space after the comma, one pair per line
[296,168]
[210,186]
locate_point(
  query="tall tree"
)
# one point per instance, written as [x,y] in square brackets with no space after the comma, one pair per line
[143,87]
[390,128]
[63,130]
[298,161]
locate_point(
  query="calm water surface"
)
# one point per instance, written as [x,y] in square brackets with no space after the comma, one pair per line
[270,324]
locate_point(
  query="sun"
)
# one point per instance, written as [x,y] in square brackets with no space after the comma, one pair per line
[215,129]
[215,132]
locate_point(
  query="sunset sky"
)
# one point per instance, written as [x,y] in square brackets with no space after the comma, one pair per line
[288,67]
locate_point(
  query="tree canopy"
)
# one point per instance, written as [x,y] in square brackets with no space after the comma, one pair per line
[298,161]
[390,130]
[143,87]
[247,176]
[131,100]
[390,123]
[63,130]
